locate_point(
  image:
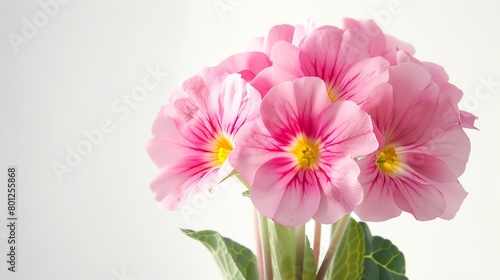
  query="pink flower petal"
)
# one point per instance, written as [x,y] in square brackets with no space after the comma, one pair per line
[428,166]
[174,183]
[326,52]
[248,64]
[360,76]
[345,128]
[467,120]
[452,146]
[280,192]
[455,195]
[340,190]
[372,36]
[424,201]
[286,67]
[278,33]
[164,152]
[292,107]
[253,147]
[378,203]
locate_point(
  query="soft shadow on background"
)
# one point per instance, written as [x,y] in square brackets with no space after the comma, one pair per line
[73,70]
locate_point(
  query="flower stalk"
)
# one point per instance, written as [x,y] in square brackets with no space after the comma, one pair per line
[317,241]
[266,245]
[301,240]
[334,244]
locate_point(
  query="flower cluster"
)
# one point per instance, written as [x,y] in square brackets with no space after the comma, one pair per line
[318,122]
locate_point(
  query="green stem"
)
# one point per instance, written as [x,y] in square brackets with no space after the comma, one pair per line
[258,240]
[268,266]
[317,240]
[301,240]
[334,244]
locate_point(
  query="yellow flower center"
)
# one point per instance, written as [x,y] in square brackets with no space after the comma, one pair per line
[222,149]
[387,160]
[306,151]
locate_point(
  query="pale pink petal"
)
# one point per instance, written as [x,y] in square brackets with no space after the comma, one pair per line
[360,76]
[253,147]
[346,129]
[248,64]
[256,45]
[288,197]
[278,33]
[292,107]
[302,30]
[424,201]
[198,88]
[174,183]
[452,146]
[455,195]
[325,53]
[340,190]
[467,120]
[379,105]
[415,102]
[393,46]
[372,36]
[378,203]
[286,67]
[238,103]
[164,152]
[438,75]
[428,166]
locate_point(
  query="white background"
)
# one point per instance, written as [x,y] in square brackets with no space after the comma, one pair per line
[101,221]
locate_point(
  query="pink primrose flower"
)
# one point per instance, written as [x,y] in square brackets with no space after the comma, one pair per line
[422,149]
[298,157]
[377,42]
[331,54]
[194,134]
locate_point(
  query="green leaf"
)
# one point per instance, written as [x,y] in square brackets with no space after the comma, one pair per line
[349,259]
[383,260]
[235,261]
[283,253]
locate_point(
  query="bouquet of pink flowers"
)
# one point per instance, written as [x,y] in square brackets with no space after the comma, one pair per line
[316,123]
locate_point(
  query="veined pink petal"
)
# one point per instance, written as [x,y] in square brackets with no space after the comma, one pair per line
[253,147]
[429,166]
[288,197]
[291,107]
[325,53]
[424,201]
[174,183]
[378,203]
[422,152]
[237,104]
[452,146]
[345,128]
[340,190]
[379,105]
[360,76]
[194,134]
[415,102]
[198,89]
